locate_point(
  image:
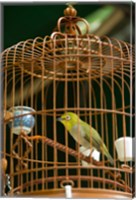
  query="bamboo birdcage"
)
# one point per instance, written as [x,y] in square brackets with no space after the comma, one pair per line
[68,71]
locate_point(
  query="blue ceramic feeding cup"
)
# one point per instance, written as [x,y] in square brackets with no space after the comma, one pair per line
[20,123]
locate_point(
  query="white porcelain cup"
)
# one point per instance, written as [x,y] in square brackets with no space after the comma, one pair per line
[125,148]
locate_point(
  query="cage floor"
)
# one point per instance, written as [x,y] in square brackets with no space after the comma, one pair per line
[82,193]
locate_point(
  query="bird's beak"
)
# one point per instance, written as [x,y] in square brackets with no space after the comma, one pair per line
[59,119]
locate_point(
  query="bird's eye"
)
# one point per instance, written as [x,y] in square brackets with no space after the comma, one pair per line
[67,117]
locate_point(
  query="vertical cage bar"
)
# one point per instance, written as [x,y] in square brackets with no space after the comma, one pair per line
[21,103]
[78,111]
[5,103]
[90,86]
[54,116]
[32,106]
[96,121]
[36,142]
[66,93]
[123,109]
[113,106]
[101,105]
[13,100]
[43,130]
[5,106]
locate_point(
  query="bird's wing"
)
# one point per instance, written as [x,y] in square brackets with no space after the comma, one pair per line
[96,139]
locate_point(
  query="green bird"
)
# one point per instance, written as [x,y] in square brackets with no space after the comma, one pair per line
[75,125]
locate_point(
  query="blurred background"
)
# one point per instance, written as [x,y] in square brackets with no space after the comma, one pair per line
[25,21]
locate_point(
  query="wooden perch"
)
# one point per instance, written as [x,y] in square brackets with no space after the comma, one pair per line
[63,148]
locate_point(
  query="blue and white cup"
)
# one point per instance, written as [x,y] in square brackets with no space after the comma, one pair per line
[23,119]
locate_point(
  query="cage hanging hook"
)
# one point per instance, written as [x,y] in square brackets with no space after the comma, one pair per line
[69,22]
[66,182]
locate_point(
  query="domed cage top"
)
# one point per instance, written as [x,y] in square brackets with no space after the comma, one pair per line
[68,72]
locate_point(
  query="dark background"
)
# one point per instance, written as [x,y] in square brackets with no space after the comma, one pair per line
[24,21]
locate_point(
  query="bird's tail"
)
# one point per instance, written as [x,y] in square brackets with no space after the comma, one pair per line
[110,159]
[107,154]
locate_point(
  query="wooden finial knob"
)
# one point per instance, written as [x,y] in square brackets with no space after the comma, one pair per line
[70,11]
